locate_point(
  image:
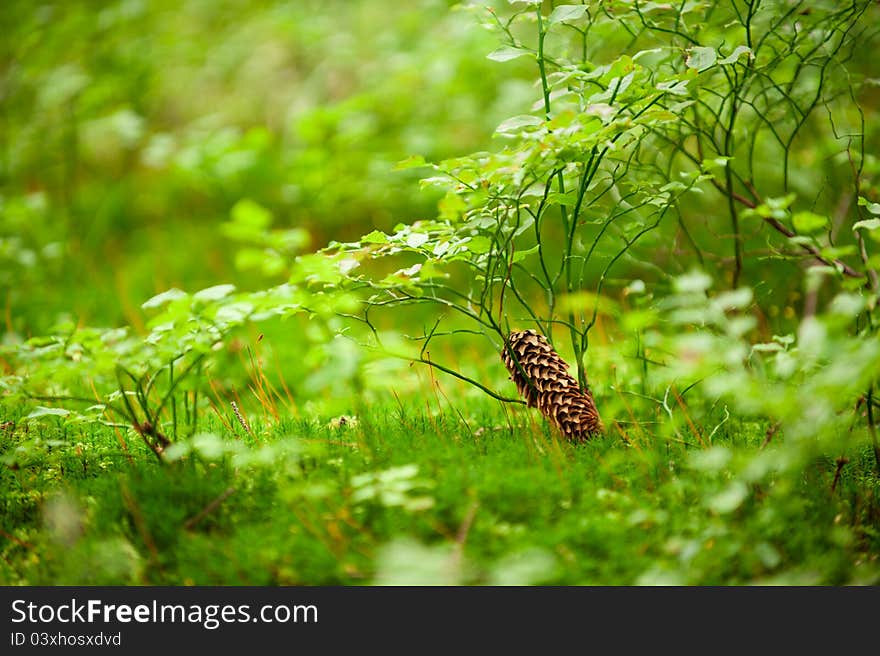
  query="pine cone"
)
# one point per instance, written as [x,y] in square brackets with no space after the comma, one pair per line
[542,379]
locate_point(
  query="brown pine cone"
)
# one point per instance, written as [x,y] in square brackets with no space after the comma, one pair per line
[542,379]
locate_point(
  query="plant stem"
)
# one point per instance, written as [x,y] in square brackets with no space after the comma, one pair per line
[452,372]
[173,399]
[872,427]
[560,180]
[731,207]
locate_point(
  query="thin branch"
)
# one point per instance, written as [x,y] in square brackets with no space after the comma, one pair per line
[207,510]
[460,376]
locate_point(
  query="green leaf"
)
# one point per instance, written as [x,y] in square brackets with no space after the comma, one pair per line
[479,245]
[738,52]
[416,239]
[234,313]
[635,287]
[451,206]
[781,202]
[701,57]
[713,459]
[809,222]
[430,270]
[734,299]
[835,252]
[41,411]
[348,265]
[604,111]
[768,347]
[675,87]
[375,237]
[714,163]
[729,499]
[693,282]
[209,446]
[316,268]
[267,261]
[848,305]
[769,556]
[251,214]
[517,122]
[413,162]
[867,224]
[506,53]
[409,272]
[673,186]
[214,293]
[647,53]
[564,13]
[518,256]
[568,199]
[177,451]
[873,208]
[636,320]
[165,297]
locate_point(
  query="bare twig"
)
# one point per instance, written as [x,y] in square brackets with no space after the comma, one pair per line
[841,461]
[461,537]
[872,427]
[18,541]
[207,510]
[770,433]
[146,430]
[452,372]
[777,225]
[140,523]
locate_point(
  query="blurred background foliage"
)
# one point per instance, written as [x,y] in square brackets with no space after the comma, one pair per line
[129,130]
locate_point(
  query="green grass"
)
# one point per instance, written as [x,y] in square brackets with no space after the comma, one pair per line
[410,495]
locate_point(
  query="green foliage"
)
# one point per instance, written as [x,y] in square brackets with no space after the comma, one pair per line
[312,504]
[131,130]
[603,169]
[212,245]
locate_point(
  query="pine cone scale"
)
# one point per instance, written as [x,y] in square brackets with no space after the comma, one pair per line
[542,380]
